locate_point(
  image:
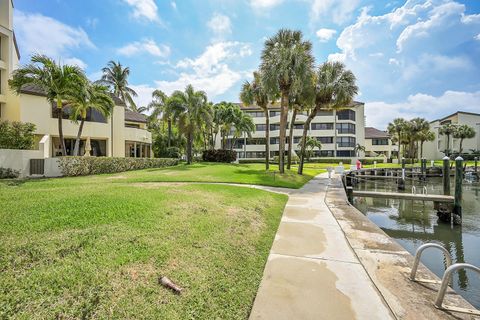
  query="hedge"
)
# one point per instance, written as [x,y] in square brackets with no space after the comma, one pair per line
[370,161]
[220,155]
[7,173]
[82,166]
[16,135]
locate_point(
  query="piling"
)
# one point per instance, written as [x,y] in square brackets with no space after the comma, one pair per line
[457,205]
[423,169]
[401,182]
[446,176]
[476,168]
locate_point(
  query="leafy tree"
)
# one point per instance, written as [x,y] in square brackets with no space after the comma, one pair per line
[463,132]
[310,144]
[16,135]
[92,97]
[286,62]
[57,81]
[243,124]
[396,129]
[447,130]
[335,87]
[359,148]
[423,136]
[115,76]
[191,110]
[254,93]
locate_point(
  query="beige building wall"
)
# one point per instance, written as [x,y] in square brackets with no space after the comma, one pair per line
[435,149]
[372,150]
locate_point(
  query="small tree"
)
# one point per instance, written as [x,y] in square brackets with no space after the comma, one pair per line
[463,132]
[447,130]
[424,136]
[359,148]
[310,144]
[396,129]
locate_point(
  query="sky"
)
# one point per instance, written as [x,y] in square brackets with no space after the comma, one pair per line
[415,58]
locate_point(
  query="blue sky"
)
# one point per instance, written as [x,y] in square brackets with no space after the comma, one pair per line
[411,58]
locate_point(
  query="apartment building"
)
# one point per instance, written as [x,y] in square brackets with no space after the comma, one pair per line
[378,143]
[123,134]
[338,132]
[436,149]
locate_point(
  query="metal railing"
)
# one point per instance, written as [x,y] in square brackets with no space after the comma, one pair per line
[418,255]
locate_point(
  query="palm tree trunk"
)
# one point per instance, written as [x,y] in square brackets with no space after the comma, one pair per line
[399,145]
[461,146]
[290,139]
[76,150]
[169,124]
[447,150]
[189,147]
[267,142]
[304,139]
[421,149]
[60,126]
[283,124]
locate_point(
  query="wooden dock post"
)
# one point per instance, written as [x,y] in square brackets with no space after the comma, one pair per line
[457,205]
[401,182]
[423,168]
[476,168]
[446,176]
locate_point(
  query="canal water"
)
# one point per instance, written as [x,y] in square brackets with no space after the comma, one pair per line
[413,223]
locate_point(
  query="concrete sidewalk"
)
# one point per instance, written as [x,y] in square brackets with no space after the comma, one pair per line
[312,272]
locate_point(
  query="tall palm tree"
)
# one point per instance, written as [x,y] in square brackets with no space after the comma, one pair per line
[56,80]
[254,93]
[447,130]
[115,76]
[286,62]
[423,136]
[335,88]
[243,124]
[417,125]
[359,148]
[92,97]
[192,110]
[463,132]
[161,108]
[395,129]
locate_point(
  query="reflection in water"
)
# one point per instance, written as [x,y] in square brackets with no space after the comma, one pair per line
[415,223]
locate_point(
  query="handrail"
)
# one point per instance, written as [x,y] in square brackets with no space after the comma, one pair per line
[414,190]
[425,190]
[443,288]
[418,255]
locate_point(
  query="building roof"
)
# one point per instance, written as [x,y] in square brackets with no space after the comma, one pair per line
[276,105]
[456,113]
[37,91]
[135,116]
[373,133]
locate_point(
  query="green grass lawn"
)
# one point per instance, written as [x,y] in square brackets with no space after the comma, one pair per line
[252,173]
[95,247]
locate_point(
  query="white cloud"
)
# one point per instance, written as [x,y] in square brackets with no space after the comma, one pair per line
[37,33]
[144,9]
[340,57]
[220,25]
[92,22]
[339,10]
[325,34]
[477,37]
[209,71]
[76,62]
[174,5]
[144,93]
[264,4]
[146,45]
[379,113]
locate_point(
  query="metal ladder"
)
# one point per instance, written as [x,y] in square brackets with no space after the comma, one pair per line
[447,275]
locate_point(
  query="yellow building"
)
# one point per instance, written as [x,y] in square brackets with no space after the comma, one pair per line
[123,134]
[379,144]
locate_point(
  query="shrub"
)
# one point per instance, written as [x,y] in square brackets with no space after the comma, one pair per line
[82,166]
[220,155]
[331,160]
[7,173]
[370,161]
[16,135]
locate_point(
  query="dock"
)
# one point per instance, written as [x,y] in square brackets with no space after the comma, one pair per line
[403,196]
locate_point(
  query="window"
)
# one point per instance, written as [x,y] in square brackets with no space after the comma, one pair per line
[255,154]
[348,142]
[238,143]
[276,153]
[274,113]
[92,114]
[255,114]
[98,148]
[345,153]
[346,128]
[297,139]
[322,126]
[276,140]
[260,127]
[324,113]
[132,125]
[298,126]
[137,149]
[380,142]
[256,141]
[346,115]
[325,139]
[323,153]
[276,126]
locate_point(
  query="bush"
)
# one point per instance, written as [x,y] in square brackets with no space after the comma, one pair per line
[220,155]
[369,161]
[16,135]
[82,166]
[7,173]
[331,160]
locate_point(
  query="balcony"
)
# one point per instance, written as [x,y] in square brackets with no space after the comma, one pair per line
[135,134]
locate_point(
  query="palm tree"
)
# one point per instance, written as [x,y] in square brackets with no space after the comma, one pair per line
[462,132]
[161,107]
[423,136]
[359,148]
[447,130]
[92,97]
[287,62]
[335,89]
[115,76]
[395,129]
[57,81]
[310,144]
[243,125]
[417,125]
[192,110]
[254,93]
